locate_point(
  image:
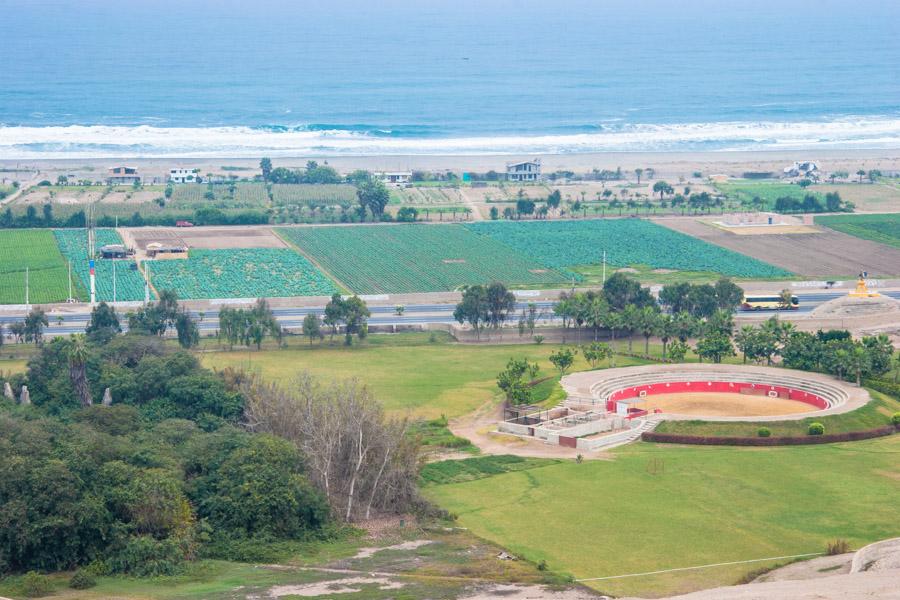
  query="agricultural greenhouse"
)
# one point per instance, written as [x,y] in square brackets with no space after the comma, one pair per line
[561,244]
[243,273]
[376,259]
[129,283]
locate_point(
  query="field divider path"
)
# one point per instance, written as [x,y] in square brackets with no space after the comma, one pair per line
[709,566]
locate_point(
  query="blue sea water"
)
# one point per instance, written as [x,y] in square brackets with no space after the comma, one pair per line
[283,77]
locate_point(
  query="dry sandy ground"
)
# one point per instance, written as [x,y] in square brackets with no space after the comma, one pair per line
[668,165]
[824,254]
[206,237]
[724,405]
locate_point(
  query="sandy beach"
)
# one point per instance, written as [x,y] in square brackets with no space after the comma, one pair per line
[667,165]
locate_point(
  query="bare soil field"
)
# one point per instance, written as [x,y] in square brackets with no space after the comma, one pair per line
[207,237]
[826,253]
[723,405]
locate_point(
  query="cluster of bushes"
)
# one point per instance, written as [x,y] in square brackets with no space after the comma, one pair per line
[162,476]
[765,439]
[202,216]
[31,219]
[810,203]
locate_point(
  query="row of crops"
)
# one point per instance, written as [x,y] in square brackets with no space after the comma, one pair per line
[320,194]
[560,244]
[423,196]
[36,251]
[374,259]
[884,229]
[244,194]
[117,280]
[241,273]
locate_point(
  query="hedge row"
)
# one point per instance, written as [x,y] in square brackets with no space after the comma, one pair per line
[702,440]
[884,386]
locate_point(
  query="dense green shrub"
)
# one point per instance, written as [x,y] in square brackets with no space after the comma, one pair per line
[82,580]
[763,432]
[816,429]
[895,419]
[35,585]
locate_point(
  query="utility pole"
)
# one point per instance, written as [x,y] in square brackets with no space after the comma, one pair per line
[147,284]
[604,267]
[114,281]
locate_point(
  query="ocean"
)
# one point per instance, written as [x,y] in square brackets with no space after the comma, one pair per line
[203,78]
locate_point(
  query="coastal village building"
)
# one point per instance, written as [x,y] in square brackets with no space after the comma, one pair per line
[123,176]
[395,177]
[802,169]
[529,170]
[183,176]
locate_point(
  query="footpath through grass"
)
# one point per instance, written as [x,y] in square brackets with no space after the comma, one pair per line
[657,507]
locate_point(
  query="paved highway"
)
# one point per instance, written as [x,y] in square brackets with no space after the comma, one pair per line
[414,314]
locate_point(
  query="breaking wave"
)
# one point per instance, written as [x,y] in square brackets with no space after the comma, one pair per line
[100,141]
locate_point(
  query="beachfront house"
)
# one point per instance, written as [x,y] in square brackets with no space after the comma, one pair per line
[123,176]
[395,177]
[529,170]
[183,176]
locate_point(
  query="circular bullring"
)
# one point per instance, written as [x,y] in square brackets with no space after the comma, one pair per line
[712,392]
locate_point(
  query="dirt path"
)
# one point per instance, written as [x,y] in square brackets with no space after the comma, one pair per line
[478,426]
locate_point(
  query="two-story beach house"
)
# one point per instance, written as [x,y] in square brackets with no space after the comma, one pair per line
[529,170]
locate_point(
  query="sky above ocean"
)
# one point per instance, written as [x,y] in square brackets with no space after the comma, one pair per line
[240,78]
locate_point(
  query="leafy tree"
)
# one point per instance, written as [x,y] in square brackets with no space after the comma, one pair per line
[374,196]
[677,351]
[35,321]
[563,359]
[596,353]
[312,327]
[500,303]
[104,323]
[265,166]
[186,328]
[647,325]
[407,214]
[473,308]
[715,346]
[729,295]
[621,290]
[515,379]
[638,172]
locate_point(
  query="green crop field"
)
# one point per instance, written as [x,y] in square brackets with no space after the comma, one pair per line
[244,273]
[884,229]
[339,193]
[655,507]
[35,250]
[245,194]
[768,192]
[377,259]
[129,283]
[561,244]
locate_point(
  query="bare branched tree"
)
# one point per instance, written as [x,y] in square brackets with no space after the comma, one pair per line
[359,458]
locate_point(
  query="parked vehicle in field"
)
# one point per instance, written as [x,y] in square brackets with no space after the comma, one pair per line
[183,224]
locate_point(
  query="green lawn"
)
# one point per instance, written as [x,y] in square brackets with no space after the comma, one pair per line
[884,229]
[657,507]
[36,250]
[876,413]
[407,373]
[767,191]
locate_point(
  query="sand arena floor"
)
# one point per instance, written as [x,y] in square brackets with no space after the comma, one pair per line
[715,404]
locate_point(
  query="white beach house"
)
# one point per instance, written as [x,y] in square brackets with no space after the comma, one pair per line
[395,177]
[529,170]
[183,175]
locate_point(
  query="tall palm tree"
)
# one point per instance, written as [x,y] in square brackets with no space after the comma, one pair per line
[78,370]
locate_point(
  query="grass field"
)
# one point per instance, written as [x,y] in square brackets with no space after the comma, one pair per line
[654,507]
[35,250]
[766,191]
[561,244]
[884,229]
[241,273]
[406,372]
[378,259]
